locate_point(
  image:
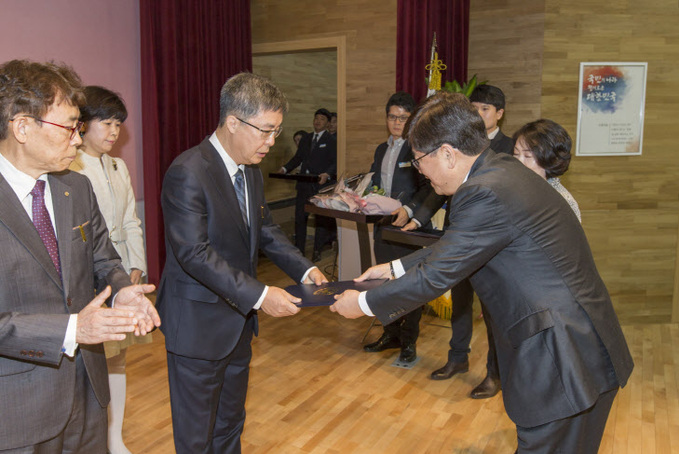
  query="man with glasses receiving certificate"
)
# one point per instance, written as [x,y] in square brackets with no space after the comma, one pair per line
[216,221]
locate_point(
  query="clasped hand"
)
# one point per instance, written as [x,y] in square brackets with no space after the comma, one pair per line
[133,313]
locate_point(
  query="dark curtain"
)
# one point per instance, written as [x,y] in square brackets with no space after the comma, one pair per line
[417,21]
[188,50]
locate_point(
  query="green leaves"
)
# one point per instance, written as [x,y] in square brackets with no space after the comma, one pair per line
[466,89]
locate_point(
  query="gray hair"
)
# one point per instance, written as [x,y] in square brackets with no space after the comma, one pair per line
[246,95]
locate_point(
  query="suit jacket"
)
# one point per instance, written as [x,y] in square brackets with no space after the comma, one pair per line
[36,382]
[209,285]
[559,343]
[502,144]
[322,159]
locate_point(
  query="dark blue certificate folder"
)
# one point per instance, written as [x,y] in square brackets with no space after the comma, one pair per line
[324,294]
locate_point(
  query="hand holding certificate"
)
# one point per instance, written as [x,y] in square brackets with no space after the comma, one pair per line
[347,303]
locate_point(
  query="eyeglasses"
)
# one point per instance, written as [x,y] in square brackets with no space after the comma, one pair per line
[267,133]
[74,129]
[416,162]
[401,118]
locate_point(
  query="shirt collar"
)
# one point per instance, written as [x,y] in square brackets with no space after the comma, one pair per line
[495,132]
[20,182]
[230,164]
[391,141]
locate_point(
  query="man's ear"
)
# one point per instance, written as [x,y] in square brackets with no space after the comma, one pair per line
[500,113]
[19,129]
[231,123]
[448,155]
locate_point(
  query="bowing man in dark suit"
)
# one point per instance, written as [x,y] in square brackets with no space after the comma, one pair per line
[55,251]
[317,155]
[393,172]
[216,222]
[561,352]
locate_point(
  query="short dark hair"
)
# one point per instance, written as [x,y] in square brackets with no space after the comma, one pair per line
[333,115]
[301,132]
[31,88]
[550,144]
[102,104]
[246,95]
[401,99]
[325,112]
[447,118]
[488,94]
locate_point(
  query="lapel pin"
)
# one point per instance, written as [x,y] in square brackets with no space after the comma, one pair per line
[66,194]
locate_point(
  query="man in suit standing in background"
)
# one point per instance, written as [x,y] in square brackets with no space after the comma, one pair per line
[317,155]
[55,251]
[560,348]
[216,222]
[393,172]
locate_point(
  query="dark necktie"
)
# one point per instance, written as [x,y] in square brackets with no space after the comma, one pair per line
[41,220]
[239,186]
[314,142]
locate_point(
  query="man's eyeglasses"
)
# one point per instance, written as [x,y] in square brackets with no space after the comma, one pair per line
[266,133]
[73,129]
[401,118]
[416,162]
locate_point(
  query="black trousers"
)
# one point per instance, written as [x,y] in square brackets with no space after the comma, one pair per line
[579,433]
[208,399]
[326,228]
[461,323]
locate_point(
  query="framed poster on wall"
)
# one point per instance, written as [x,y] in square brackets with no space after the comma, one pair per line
[611,109]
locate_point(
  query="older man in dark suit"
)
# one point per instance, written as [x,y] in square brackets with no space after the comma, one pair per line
[55,251]
[560,348]
[216,222]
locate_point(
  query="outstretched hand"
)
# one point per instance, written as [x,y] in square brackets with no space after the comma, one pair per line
[315,276]
[346,304]
[381,271]
[98,323]
[133,298]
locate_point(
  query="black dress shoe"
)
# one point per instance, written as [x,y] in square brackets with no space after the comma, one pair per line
[408,354]
[489,387]
[382,344]
[451,368]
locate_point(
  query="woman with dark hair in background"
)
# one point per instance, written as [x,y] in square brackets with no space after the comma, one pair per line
[545,147]
[103,114]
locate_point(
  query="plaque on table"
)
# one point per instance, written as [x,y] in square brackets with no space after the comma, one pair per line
[324,294]
[305,177]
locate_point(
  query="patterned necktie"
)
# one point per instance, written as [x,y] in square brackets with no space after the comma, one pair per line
[239,186]
[41,220]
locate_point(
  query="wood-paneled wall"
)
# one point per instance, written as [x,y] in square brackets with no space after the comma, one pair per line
[630,205]
[505,49]
[309,81]
[370,30]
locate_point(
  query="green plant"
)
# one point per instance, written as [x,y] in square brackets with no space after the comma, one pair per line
[466,89]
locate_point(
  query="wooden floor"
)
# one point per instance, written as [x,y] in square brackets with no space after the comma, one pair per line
[314,390]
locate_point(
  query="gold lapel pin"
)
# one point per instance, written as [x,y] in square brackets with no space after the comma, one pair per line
[67,193]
